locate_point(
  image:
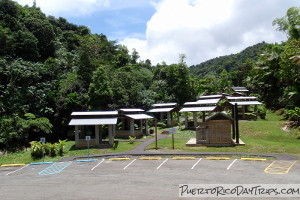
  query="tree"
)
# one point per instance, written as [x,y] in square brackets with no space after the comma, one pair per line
[100,93]
[290,24]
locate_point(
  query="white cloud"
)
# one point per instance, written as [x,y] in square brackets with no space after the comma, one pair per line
[204,29]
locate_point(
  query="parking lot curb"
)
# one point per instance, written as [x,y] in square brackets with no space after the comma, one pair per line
[118,159]
[254,159]
[13,165]
[217,158]
[150,158]
[183,158]
[41,163]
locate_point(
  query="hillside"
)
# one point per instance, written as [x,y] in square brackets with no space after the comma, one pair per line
[229,62]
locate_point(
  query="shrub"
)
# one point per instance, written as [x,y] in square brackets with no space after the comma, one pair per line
[36,149]
[49,149]
[262,112]
[60,146]
[293,114]
[131,139]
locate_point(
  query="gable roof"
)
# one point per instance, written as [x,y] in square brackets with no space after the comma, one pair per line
[219,116]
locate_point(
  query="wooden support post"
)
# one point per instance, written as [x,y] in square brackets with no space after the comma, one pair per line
[156,134]
[146,126]
[169,118]
[141,127]
[76,135]
[173,146]
[110,136]
[123,124]
[243,111]
[114,131]
[195,119]
[237,125]
[186,119]
[161,117]
[97,134]
[203,116]
[255,111]
[131,127]
[233,123]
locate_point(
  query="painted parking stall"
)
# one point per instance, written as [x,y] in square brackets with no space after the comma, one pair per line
[55,168]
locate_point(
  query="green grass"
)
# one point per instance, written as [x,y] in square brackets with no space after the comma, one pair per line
[25,157]
[260,136]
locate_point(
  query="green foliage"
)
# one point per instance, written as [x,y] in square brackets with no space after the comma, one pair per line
[48,149]
[16,132]
[293,114]
[290,23]
[131,139]
[36,149]
[262,111]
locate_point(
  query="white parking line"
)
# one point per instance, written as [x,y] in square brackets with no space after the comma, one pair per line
[231,164]
[17,170]
[98,164]
[196,163]
[129,164]
[162,163]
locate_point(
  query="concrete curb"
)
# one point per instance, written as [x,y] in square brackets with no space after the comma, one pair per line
[203,154]
[140,151]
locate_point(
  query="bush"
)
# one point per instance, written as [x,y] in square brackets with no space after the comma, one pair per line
[262,112]
[293,114]
[36,149]
[49,149]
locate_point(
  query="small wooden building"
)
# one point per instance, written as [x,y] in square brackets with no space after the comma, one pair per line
[89,124]
[215,131]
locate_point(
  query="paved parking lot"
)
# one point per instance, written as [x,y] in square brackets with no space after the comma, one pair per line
[135,178]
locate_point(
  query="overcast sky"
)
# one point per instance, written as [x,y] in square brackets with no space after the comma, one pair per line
[160,30]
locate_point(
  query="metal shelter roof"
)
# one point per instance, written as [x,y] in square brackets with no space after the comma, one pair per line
[139,116]
[241,98]
[203,102]
[245,103]
[211,96]
[93,113]
[198,109]
[240,89]
[131,110]
[164,104]
[95,121]
[158,110]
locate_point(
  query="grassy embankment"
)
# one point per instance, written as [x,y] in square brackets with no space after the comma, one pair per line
[25,157]
[261,136]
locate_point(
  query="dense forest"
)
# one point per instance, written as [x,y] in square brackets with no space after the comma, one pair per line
[50,67]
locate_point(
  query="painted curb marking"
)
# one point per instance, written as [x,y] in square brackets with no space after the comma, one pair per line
[118,159]
[13,165]
[150,158]
[183,158]
[217,158]
[41,163]
[254,159]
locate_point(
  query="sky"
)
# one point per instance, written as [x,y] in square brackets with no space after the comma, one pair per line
[161,30]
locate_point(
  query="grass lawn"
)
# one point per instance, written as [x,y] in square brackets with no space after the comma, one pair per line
[260,136]
[25,157]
